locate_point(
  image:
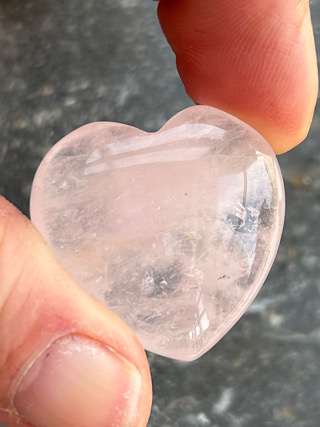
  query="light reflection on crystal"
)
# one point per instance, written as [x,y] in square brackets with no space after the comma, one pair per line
[174,231]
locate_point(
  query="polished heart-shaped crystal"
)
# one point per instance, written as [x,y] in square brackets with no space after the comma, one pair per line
[175,231]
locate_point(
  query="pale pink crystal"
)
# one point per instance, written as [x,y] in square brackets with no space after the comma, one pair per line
[175,231]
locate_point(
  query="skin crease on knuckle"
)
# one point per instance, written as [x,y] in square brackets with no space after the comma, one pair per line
[20,292]
[241,59]
[13,246]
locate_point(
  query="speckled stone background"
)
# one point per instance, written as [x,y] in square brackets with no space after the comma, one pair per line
[65,63]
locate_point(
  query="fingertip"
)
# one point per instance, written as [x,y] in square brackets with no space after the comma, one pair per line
[41,306]
[256,61]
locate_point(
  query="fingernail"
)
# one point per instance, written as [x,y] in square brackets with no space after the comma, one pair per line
[79,382]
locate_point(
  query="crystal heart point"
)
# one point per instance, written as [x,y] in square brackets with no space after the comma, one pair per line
[175,231]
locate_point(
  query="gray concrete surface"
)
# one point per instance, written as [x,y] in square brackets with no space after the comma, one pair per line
[65,63]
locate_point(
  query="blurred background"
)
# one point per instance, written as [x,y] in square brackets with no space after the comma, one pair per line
[69,62]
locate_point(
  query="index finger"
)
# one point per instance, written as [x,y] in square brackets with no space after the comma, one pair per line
[253,59]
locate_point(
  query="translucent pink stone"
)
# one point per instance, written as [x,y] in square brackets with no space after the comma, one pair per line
[175,231]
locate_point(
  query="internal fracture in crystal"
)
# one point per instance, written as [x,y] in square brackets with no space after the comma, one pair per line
[175,231]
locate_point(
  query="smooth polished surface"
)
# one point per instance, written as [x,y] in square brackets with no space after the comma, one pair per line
[174,231]
[265,371]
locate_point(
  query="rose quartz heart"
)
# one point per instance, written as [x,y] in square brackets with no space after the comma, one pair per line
[175,231]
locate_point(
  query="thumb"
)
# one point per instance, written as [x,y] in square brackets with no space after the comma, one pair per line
[65,360]
[253,59]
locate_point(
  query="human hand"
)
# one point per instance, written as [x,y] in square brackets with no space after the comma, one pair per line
[253,59]
[39,302]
